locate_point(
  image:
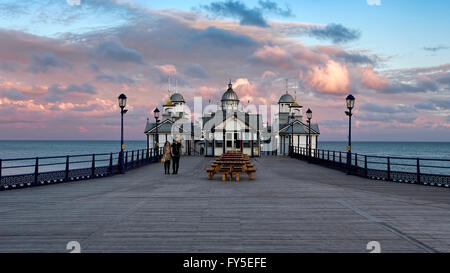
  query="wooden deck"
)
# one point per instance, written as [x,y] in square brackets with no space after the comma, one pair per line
[291,206]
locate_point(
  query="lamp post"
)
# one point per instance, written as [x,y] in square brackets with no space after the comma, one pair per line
[122,103]
[350,104]
[309,117]
[156,115]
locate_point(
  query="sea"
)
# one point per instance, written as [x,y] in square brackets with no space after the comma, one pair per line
[42,148]
[47,148]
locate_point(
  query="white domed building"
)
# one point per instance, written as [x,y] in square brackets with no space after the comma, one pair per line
[229,128]
[292,130]
[172,113]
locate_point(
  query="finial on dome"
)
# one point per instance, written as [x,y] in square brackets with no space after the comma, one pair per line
[230,85]
[169,85]
[286,86]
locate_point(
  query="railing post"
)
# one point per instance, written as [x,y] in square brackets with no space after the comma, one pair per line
[110,162]
[334,156]
[340,157]
[0,171]
[328,156]
[418,171]
[66,177]
[388,168]
[137,157]
[36,171]
[365,165]
[93,166]
[356,160]
[126,160]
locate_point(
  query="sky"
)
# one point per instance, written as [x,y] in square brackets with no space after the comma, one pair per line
[64,62]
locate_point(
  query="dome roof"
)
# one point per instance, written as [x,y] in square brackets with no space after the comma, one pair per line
[176,97]
[286,98]
[230,95]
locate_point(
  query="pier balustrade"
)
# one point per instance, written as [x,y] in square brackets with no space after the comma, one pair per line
[423,171]
[37,171]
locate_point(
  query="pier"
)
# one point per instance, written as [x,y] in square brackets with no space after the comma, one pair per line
[291,206]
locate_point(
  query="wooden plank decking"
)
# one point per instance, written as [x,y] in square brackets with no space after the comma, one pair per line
[291,206]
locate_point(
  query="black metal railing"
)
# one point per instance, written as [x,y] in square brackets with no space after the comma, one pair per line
[425,171]
[36,171]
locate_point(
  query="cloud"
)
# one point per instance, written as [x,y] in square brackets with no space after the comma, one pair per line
[222,37]
[387,118]
[443,104]
[161,74]
[371,79]
[120,79]
[273,7]
[239,10]
[337,33]
[56,92]
[8,66]
[43,63]
[174,41]
[196,71]
[425,106]
[333,78]
[375,108]
[445,79]
[435,48]
[85,108]
[373,2]
[355,58]
[73,2]
[13,94]
[419,87]
[94,67]
[115,51]
[273,56]
[245,15]
[167,69]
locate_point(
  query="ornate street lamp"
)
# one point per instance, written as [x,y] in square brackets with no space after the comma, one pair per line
[350,104]
[156,115]
[122,103]
[309,117]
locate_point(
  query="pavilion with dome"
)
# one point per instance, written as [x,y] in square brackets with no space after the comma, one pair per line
[230,128]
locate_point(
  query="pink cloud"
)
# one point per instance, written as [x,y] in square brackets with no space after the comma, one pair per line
[274,55]
[371,79]
[167,69]
[268,74]
[206,92]
[333,78]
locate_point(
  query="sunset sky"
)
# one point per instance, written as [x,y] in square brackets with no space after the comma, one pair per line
[64,62]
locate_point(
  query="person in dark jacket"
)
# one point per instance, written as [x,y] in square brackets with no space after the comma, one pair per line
[176,154]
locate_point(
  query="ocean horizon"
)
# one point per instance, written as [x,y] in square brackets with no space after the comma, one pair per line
[40,148]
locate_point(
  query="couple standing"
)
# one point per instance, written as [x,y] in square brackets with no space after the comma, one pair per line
[172,153]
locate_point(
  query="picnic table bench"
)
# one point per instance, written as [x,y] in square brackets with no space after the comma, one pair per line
[232,164]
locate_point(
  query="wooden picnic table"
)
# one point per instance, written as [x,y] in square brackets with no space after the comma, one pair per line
[231,164]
